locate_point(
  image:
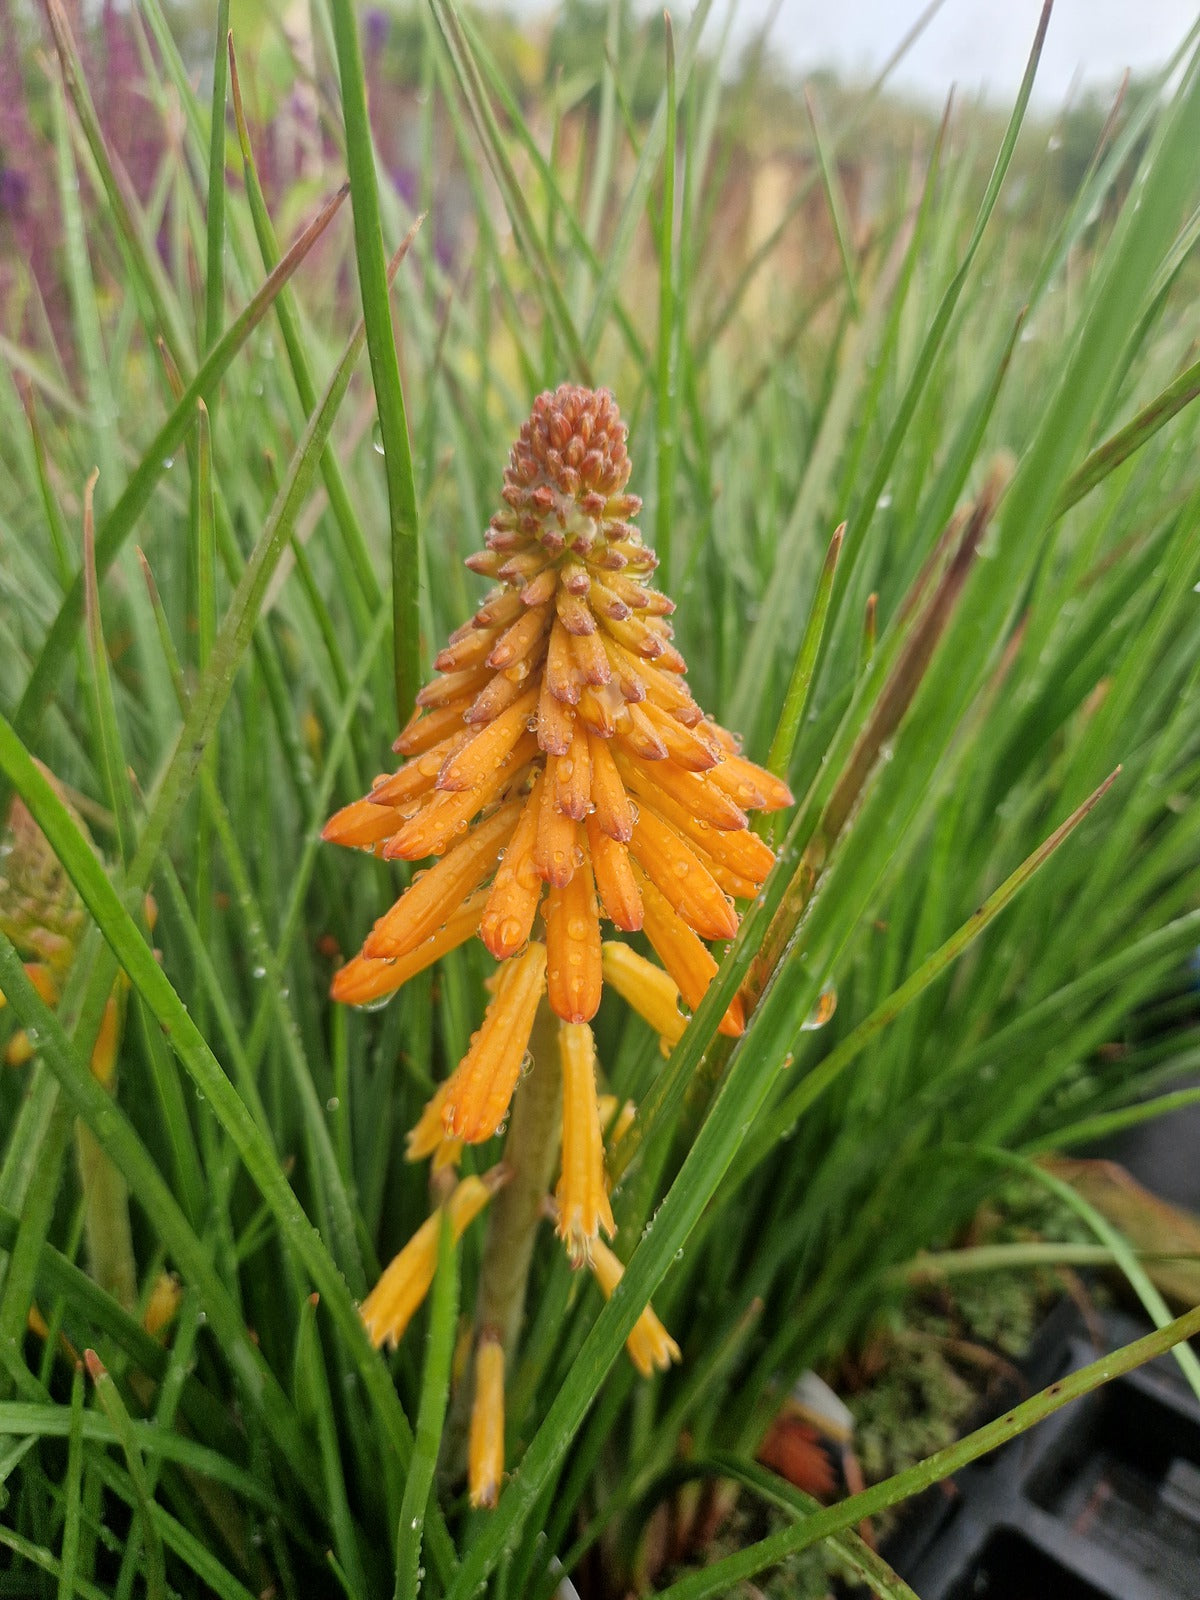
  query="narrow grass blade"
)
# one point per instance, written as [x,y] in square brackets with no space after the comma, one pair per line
[834,198]
[935,1265]
[1106,458]
[316,1406]
[135,237]
[40,1558]
[487,129]
[664,413]
[865,1564]
[119,523]
[137,959]
[431,1415]
[37,1205]
[104,711]
[72,1492]
[635,199]
[849,1048]
[1105,1125]
[285,311]
[113,1406]
[385,365]
[214,278]
[796,699]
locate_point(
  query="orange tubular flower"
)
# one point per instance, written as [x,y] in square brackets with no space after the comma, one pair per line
[583,1207]
[560,773]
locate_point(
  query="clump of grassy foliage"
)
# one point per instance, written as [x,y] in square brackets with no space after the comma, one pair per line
[198,646]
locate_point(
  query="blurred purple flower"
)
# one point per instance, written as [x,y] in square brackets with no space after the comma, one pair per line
[406,184]
[14,192]
[376,28]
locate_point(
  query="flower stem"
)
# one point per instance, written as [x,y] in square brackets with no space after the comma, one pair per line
[530,1153]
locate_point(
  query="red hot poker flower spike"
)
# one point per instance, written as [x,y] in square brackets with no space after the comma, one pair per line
[558,768]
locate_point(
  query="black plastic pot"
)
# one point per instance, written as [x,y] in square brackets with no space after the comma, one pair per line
[1100,1502]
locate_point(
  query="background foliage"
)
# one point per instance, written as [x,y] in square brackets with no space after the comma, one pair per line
[844,313]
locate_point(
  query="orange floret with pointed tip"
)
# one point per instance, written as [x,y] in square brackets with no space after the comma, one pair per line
[433,830]
[416,777]
[687,747]
[453,686]
[517,889]
[651,1348]
[637,735]
[505,688]
[647,988]
[582,1192]
[479,1090]
[574,778]
[555,722]
[689,962]
[662,688]
[361,825]
[562,677]
[471,650]
[615,882]
[432,896]
[590,659]
[518,640]
[752,787]
[555,845]
[474,762]
[695,791]
[740,851]
[427,728]
[598,710]
[574,978]
[427,1133]
[614,814]
[675,868]
[391,1304]
[363,980]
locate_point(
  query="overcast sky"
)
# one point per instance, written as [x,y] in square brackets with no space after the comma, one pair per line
[980,42]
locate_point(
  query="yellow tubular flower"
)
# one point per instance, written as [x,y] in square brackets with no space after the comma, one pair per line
[485,1455]
[650,1346]
[163,1303]
[646,988]
[391,1304]
[582,1193]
